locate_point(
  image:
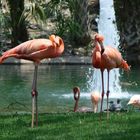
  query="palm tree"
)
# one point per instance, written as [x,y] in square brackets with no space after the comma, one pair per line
[18,28]
[20,15]
[79,15]
[22,12]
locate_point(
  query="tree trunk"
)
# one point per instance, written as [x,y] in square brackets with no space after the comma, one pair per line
[19,31]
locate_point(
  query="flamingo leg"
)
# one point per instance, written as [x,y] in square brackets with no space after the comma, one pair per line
[102,95]
[34,96]
[36,108]
[33,100]
[107,94]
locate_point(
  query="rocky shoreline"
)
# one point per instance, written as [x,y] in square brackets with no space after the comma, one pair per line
[65,60]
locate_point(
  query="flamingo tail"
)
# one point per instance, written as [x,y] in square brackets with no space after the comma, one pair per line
[125,66]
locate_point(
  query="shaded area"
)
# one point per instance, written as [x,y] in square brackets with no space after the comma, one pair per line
[127,14]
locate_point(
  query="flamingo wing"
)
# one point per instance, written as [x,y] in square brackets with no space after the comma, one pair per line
[111,58]
[96,59]
[30,50]
[31,46]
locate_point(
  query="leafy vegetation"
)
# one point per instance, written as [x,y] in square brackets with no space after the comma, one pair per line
[71,126]
[24,16]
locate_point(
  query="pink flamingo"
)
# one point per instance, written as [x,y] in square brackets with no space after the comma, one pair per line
[76,92]
[95,98]
[106,58]
[35,50]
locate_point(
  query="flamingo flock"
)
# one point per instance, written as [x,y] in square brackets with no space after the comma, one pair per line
[103,58]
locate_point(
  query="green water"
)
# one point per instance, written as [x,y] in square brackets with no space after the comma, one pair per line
[55,83]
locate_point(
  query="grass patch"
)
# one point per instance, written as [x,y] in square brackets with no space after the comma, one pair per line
[71,126]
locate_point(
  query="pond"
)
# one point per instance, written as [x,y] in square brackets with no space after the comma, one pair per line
[55,83]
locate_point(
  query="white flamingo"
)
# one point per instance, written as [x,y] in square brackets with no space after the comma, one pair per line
[135,101]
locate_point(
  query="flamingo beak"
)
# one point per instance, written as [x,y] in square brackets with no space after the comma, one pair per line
[52,37]
[130,102]
[57,41]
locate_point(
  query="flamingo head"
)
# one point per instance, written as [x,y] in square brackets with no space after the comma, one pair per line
[58,43]
[76,92]
[57,40]
[134,100]
[99,38]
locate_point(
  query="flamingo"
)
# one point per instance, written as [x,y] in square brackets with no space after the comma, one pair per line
[35,50]
[135,101]
[76,92]
[95,98]
[106,58]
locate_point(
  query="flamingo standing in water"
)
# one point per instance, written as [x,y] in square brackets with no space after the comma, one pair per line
[106,58]
[76,92]
[36,50]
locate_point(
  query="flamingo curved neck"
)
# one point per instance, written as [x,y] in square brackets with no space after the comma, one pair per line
[76,106]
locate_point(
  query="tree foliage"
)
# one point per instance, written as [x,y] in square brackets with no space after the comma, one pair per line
[67,16]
